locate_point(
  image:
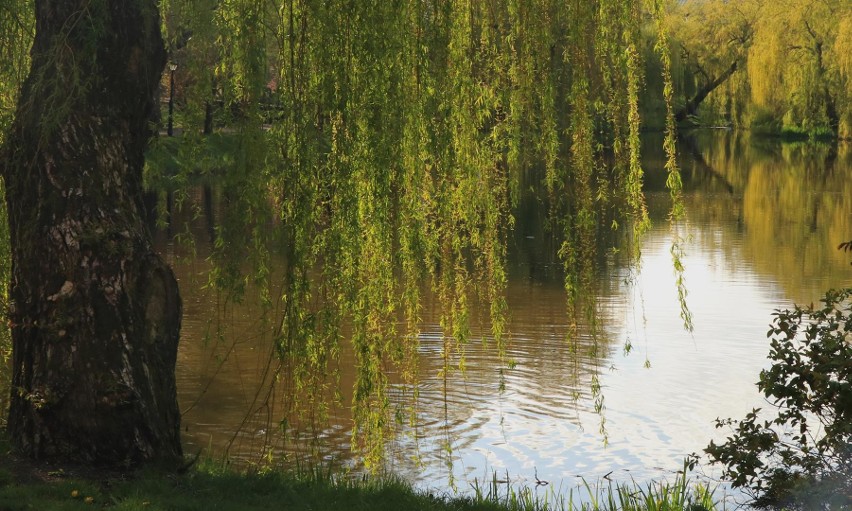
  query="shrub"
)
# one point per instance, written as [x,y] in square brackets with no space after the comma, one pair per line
[803,456]
[763,121]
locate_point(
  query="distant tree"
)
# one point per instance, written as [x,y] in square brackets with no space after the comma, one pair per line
[794,67]
[791,57]
[713,38]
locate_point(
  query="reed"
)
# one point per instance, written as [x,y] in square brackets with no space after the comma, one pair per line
[682,494]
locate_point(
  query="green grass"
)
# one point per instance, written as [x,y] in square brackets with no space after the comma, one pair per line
[211,486]
[208,488]
[204,489]
[819,133]
[681,495]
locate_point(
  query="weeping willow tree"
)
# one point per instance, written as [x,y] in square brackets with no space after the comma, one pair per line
[795,63]
[385,143]
[767,65]
[95,312]
[389,140]
[712,43]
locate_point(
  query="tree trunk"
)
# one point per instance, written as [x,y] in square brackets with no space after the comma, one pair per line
[95,312]
[692,105]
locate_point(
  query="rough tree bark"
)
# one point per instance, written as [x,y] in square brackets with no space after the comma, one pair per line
[95,312]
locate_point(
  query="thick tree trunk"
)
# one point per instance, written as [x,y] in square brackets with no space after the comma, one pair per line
[95,312]
[692,105]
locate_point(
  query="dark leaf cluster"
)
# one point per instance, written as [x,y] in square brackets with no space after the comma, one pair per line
[799,453]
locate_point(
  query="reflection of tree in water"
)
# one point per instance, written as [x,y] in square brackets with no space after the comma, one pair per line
[792,200]
[236,393]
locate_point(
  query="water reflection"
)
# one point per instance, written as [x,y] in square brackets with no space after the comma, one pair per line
[796,202]
[764,222]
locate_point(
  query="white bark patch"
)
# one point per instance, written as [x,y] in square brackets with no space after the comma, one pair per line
[49,166]
[112,288]
[126,366]
[65,291]
[71,141]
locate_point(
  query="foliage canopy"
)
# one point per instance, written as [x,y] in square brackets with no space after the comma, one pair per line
[774,65]
[390,139]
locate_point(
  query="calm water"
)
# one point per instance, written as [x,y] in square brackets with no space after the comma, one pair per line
[763,221]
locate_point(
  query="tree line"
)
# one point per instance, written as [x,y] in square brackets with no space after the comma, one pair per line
[770,66]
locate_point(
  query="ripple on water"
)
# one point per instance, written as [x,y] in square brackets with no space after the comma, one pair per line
[538,417]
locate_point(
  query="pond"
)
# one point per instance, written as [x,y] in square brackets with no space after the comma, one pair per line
[762,227]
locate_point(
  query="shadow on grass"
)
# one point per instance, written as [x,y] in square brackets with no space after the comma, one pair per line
[208,488]
[212,485]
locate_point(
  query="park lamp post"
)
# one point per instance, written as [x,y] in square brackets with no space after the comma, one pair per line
[172,69]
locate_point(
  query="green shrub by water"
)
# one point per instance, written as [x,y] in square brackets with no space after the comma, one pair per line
[798,452]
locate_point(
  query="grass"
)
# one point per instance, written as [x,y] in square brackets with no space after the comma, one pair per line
[208,489]
[210,486]
[681,495]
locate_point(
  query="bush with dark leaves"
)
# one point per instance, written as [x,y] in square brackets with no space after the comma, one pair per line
[799,453]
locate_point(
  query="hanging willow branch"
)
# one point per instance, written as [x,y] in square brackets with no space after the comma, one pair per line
[402,132]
